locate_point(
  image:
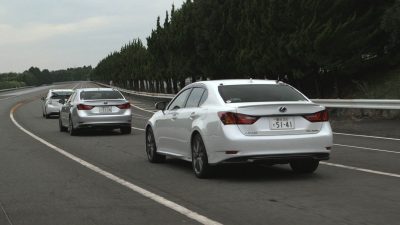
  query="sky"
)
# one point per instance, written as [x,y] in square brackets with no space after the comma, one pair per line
[59,34]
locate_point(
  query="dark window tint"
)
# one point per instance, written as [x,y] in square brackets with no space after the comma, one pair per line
[179,102]
[92,95]
[259,93]
[194,98]
[60,95]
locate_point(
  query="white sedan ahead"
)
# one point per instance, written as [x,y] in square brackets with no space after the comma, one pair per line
[235,121]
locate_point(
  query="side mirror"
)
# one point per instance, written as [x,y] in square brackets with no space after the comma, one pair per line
[161,105]
[61,101]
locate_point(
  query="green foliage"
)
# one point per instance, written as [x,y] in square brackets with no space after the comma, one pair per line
[34,76]
[318,44]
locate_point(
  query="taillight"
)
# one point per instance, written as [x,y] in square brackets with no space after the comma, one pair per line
[124,106]
[321,116]
[228,118]
[84,107]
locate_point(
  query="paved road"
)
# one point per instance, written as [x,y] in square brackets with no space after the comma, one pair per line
[39,185]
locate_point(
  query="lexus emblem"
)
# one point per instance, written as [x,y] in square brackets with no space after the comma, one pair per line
[282,109]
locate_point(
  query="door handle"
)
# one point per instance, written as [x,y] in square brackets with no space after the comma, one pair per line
[192,115]
[174,116]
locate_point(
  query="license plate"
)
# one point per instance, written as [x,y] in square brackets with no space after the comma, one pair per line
[107,109]
[281,123]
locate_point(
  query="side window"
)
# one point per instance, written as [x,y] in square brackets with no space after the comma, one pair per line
[194,98]
[179,102]
[203,97]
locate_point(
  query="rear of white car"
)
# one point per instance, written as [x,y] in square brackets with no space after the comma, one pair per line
[270,122]
[53,102]
[242,121]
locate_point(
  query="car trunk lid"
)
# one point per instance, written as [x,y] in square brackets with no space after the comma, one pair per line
[278,118]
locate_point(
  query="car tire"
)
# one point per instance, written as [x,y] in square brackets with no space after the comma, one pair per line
[72,131]
[62,128]
[201,167]
[151,148]
[126,130]
[304,166]
[45,115]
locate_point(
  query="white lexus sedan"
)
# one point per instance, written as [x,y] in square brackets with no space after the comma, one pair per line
[238,121]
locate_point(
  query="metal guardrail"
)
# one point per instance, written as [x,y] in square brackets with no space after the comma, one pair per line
[359,103]
[12,89]
[139,93]
[329,103]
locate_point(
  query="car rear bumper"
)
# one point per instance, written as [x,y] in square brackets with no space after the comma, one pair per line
[277,159]
[233,146]
[104,121]
[52,110]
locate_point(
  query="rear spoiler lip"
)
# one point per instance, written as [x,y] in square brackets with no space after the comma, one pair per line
[98,100]
[280,104]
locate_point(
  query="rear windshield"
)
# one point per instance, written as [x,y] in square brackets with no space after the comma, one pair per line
[259,93]
[92,95]
[60,95]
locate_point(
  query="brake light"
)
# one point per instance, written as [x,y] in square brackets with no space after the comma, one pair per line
[84,107]
[124,106]
[321,116]
[228,118]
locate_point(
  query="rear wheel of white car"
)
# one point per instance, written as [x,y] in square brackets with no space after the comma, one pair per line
[62,128]
[151,148]
[126,130]
[200,164]
[304,166]
[71,129]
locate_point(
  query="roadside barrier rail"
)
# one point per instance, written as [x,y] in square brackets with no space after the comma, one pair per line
[12,89]
[359,103]
[329,103]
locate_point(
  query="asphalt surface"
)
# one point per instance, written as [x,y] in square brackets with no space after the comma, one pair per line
[41,186]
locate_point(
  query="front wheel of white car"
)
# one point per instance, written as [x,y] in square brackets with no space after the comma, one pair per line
[304,166]
[201,167]
[151,148]
[72,131]
[61,126]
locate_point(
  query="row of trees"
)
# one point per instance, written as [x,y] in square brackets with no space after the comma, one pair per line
[34,76]
[319,45]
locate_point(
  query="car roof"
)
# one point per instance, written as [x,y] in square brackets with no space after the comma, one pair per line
[235,82]
[96,89]
[61,90]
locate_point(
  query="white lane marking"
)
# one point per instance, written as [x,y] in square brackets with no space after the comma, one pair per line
[5,214]
[140,115]
[365,148]
[159,199]
[137,128]
[1,99]
[366,136]
[142,109]
[361,169]
[76,86]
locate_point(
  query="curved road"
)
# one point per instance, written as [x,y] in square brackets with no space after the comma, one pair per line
[111,182]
